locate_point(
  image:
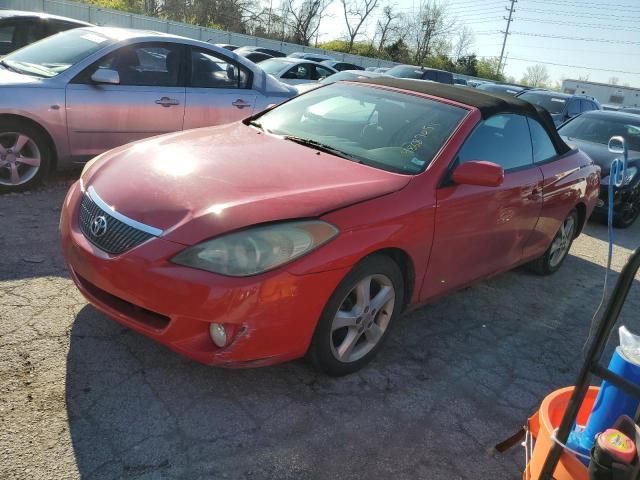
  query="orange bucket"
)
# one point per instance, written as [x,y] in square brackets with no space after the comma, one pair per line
[543,424]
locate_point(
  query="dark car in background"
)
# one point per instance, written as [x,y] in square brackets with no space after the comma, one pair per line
[421,73]
[561,106]
[500,88]
[634,110]
[18,28]
[340,66]
[256,57]
[227,46]
[590,132]
[244,51]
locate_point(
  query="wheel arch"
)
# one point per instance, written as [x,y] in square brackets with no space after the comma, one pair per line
[51,144]
[407,267]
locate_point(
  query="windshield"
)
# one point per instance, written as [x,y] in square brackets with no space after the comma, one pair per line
[53,55]
[402,71]
[273,66]
[599,129]
[388,130]
[551,103]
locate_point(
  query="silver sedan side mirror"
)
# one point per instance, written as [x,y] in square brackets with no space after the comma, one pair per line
[106,76]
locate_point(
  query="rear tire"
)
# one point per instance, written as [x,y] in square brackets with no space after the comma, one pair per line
[25,156]
[356,319]
[558,251]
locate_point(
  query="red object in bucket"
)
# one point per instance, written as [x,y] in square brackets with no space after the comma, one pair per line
[618,445]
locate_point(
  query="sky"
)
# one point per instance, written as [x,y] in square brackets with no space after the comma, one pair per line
[603,36]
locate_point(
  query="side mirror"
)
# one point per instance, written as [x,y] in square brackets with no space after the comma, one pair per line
[106,76]
[483,174]
[617,145]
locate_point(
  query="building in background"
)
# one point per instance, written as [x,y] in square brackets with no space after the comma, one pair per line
[610,96]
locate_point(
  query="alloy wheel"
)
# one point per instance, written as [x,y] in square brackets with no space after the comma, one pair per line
[20,158]
[362,318]
[562,241]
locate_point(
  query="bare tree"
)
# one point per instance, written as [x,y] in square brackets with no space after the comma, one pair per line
[536,75]
[386,24]
[463,42]
[431,27]
[356,13]
[304,18]
[614,80]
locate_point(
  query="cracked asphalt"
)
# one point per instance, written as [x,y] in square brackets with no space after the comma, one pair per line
[83,397]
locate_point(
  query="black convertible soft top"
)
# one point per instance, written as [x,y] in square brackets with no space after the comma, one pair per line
[489,103]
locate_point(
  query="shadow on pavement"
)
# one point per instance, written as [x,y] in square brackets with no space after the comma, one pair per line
[455,378]
[626,237]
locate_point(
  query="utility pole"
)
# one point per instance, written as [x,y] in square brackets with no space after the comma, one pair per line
[506,32]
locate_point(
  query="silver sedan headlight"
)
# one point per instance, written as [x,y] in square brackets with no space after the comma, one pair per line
[257,250]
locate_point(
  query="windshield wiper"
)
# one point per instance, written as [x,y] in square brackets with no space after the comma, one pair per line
[257,124]
[322,147]
[8,67]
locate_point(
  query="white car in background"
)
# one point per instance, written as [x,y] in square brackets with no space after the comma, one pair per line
[295,71]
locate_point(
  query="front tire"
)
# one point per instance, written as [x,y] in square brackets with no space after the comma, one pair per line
[626,216]
[356,319]
[557,252]
[25,156]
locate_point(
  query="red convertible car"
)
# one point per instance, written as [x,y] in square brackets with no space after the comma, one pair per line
[307,229]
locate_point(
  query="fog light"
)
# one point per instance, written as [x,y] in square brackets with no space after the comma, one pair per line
[218,334]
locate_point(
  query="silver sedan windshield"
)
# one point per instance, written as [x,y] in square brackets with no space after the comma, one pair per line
[53,55]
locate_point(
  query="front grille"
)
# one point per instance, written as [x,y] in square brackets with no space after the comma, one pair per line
[117,237]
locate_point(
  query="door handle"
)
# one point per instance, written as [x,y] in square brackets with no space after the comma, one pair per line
[167,102]
[239,103]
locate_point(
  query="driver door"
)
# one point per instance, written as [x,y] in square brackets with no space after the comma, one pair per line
[480,231]
[148,100]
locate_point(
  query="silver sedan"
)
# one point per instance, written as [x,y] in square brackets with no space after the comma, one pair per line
[70,97]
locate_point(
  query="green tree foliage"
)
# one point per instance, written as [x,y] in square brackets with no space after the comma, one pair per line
[359,48]
[488,68]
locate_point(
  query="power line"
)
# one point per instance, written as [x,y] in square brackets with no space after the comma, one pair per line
[584,39]
[585,25]
[585,4]
[574,14]
[573,66]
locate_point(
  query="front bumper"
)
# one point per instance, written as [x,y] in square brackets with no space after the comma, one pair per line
[273,315]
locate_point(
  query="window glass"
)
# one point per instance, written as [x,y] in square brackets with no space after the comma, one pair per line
[57,26]
[574,107]
[551,103]
[501,139]
[6,33]
[543,148]
[322,73]
[212,71]
[56,54]
[299,72]
[273,66]
[146,64]
[402,71]
[599,128]
[384,129]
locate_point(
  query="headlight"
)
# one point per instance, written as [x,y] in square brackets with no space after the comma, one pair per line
[258,249]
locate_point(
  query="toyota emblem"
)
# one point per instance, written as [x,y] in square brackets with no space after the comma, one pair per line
[99,226]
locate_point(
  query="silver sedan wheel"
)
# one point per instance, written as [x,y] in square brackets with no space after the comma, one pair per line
[562,242]
[19,158]
[362,318]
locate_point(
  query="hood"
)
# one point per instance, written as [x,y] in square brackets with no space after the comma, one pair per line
[201,183]
[599,153]
[13,79]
